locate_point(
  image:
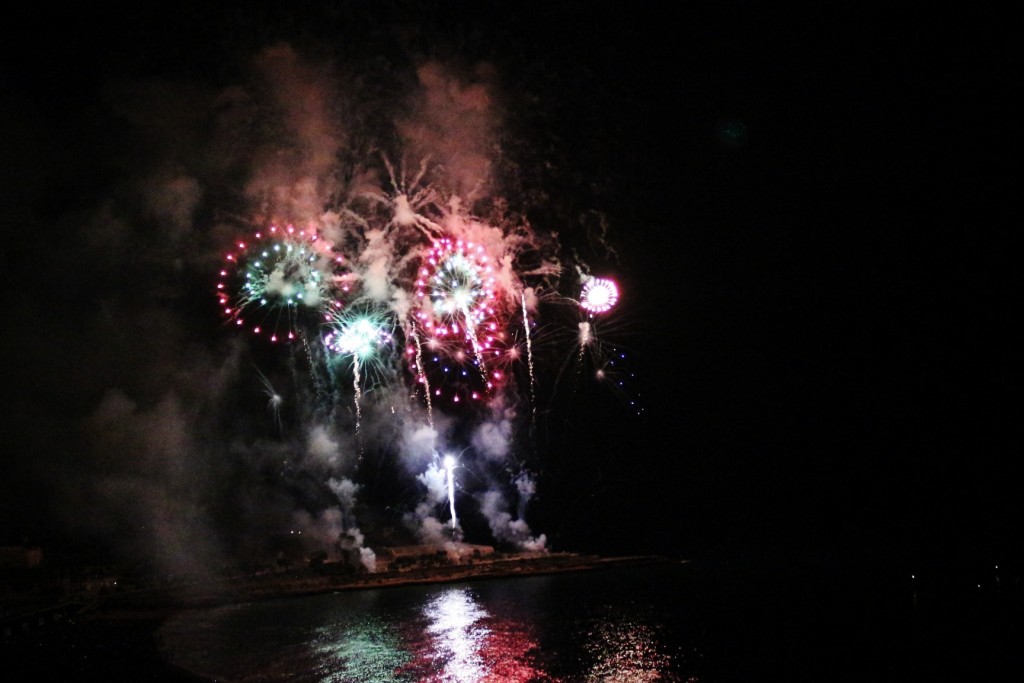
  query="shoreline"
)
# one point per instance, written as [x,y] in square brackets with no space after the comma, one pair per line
[295,583]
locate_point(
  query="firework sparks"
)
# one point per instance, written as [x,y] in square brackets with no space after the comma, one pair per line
[357,336]
[599,295]
[274,399]
[460,282]
[457,312]
[420,266]
[271,281]
[529,358]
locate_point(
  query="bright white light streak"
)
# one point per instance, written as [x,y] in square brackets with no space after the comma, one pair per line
[529,360]
[449,465]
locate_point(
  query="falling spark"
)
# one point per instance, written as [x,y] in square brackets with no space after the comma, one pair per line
[423,377]
[358,397]
[529,358]
[274,399]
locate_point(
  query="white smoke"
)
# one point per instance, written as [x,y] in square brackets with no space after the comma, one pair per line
[493,438]
[435,480]
[526,487]
[323,446]
[506,529]
[345,490]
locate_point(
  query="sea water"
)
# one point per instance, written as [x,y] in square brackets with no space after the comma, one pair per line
[616,624]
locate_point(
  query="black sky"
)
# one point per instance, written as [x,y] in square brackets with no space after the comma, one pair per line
[812,210]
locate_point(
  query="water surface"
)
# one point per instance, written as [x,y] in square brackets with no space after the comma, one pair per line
[618,624]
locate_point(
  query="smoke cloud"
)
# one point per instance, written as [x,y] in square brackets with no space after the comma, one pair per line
[172,449]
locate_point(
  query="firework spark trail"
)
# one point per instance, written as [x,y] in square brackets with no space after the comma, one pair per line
[586,336]
[529,357]
[358,395]
[313,376]
[422,376]
[474,342]
[274,399]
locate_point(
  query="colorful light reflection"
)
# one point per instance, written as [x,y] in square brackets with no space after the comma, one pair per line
[463,643]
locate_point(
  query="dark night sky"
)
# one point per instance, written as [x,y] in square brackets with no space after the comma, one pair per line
[812,213]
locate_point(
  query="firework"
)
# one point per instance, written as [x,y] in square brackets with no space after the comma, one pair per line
[599,295]
[449,314]
[276,282]
[457,313]
[274,399]
[359,336]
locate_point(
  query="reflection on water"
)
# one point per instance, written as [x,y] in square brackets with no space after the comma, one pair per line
[461,642]
[457,637]
[542,629]
[626,651]
[364,649]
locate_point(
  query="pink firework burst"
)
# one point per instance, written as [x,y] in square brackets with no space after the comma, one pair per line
[455,289]
[457,315]
[599,295]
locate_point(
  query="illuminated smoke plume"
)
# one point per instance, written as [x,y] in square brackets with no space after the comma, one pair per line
[358,249]
[505,528]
